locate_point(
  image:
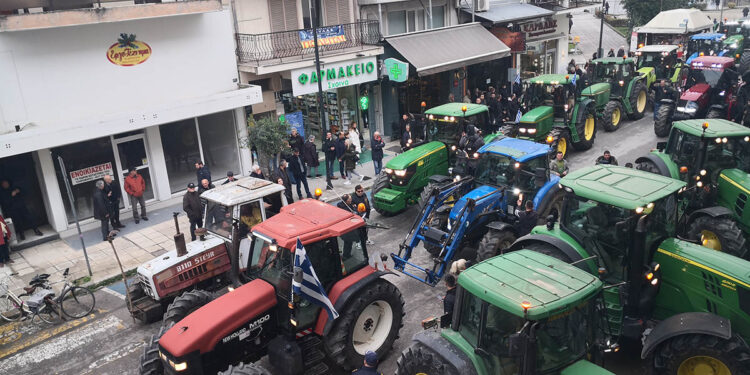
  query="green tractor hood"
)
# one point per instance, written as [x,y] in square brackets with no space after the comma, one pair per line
[405,159]
[537,115]
[598,92]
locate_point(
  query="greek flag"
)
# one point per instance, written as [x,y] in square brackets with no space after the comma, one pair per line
[518,77]
[574,79]
[518,116]
[306,284]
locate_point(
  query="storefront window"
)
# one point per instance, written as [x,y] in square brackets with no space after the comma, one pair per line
[179,141]
[219,141]
[540,58]
[396,22]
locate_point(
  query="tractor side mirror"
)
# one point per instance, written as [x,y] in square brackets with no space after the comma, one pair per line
[516,344]
[540,176]
[551,222]
[661,146]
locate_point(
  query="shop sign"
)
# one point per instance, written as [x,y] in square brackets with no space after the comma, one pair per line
[90,173]
[516,41]
[326,36]
[334,75]
[552,27]
[128,51]
[397,71]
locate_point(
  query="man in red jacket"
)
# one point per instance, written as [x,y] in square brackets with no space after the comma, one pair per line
[135,185]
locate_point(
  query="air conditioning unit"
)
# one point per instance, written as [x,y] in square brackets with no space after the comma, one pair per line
[481,5]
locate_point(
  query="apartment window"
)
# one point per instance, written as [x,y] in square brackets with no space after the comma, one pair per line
[410,20]
[308,12]
[337,12]
[396,22]
[420,21]
[283,15]
[438,17]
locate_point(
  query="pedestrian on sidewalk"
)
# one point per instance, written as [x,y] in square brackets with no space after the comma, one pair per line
[559,166]
[206,185]
[360,197]
[257,172]
[570,22]
[282,178]
[745,11]
[310,155]
[13,205]
[340,150]
[611,52]
[299,172]
[354,137]
[201,171]
[101,208]
[296,140]
[4,241]
[230,178]
[191,204]
[135,186]
[329,149]
[377,144]
[112,189]
[606,159]
[606,7]
[350,159]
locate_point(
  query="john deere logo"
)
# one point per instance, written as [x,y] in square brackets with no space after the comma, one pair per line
[398,71]
[128,51]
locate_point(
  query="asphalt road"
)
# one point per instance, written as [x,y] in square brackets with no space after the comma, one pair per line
[110,342]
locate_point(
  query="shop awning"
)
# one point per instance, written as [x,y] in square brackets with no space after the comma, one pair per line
[447,48]
[677,21]
[502,12]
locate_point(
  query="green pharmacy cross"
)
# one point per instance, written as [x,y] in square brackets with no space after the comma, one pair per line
[398,71]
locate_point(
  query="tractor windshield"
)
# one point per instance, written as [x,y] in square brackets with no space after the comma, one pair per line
[606,72]
[495,170]
[662,62]
[711,77]
[446,129]
[271,263]
[707,46]
[219,219]
[734,153]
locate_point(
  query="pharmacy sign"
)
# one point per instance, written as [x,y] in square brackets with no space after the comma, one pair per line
[334,75]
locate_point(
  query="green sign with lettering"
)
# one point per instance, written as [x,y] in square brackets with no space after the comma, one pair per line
[334,75]
[398,71]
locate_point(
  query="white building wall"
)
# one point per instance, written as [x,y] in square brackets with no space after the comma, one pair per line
[252,16]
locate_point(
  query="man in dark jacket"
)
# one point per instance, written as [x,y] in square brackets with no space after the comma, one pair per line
[296,140]
[340,150]
[406,119]
[101,208]
[329,148]
[257,172]
[406,138]
[11,201]
[201,172]
[358,197]
[282,173]
[621,52]
[230,178]
[205,186]
[662,92]
[310,154]
[526,219]
[191,204]
[112,190]
[299,172]
[449,300]
[376,145]
[607,159]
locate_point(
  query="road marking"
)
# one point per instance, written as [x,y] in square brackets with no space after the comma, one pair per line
[113,293]
[53,348]
[111,357]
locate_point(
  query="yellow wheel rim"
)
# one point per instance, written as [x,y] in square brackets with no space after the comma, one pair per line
[702,365]
[710,240]
[588,128]
[641,102]
[562,145]
[616,117]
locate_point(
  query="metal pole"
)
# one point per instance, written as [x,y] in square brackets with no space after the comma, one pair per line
[73,209]
[601,31]
[321,111]
[721,15]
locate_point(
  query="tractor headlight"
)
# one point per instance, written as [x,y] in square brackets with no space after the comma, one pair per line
[476,155]
[733,45]
[531,131]
[453,148]
[522,130]
[431,117]
[690,107]
[180,366]
[722,93]
[388,171]
[711,52]
[516,191]
[400,172]
[621,83]
[638,53]
[566,107]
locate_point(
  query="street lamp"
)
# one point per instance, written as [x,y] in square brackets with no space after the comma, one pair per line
[599,51]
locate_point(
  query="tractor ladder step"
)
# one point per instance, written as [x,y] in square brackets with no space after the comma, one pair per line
[312,353]
[309,342]
[318,369]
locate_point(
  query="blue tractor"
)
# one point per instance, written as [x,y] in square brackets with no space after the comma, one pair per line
[476,215]
[704,44]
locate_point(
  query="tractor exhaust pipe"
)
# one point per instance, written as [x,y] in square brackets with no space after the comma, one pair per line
[179,238]
[234,257]
[635,267]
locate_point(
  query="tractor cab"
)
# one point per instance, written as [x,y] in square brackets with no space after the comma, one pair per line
[711,80]
[733,47]
[617,72]
[446,123]
[658,62]
[704,44]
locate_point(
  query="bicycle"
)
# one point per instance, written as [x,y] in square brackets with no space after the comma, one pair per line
[74,301]
[12,307]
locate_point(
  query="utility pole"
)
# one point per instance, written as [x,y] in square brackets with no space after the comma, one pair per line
[315,25]
[599,51]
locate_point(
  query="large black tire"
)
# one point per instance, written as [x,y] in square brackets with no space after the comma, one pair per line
[339,343]
[682,351]
[381,182]
[663,122]
[245,369]
[150,362]
[425,195]
[715,113]
[638,90]
[493,243]
[419,359]
[509,130]
[546,249]
[648,166]
[553,207]
[612,116]
[185,304]
[560,140]
[744,62]
[730,238]
[585,143]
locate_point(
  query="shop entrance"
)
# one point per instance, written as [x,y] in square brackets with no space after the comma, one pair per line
[131,153]
[20,172]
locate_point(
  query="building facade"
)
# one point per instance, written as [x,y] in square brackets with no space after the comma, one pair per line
[153,87]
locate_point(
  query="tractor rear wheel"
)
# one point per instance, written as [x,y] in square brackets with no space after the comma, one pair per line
[586,129]
[509,130]
[370,322]
[420,359]
[150,362]
[550,206]
[184,305]
[744,62]
[612,116]
[715,113]
[720,234]
[547,249]
[245,369]
[560,140]
[663,122]
[693,354]
[638,99]
[425,195]
[381,182]
[494,242]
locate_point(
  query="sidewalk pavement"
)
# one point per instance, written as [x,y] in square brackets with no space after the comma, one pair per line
[139,243]
[586,26]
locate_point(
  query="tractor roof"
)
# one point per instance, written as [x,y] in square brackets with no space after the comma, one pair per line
[658,48]
[716,128]
[549,285]
[707,36]
[454,109]
[733,39]
[613,60]
[552,79]
[620,186]
[405,159]
[243,190]
[309,220]
[518,149]
[715,62]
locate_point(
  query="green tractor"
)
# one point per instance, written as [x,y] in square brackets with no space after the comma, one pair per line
[738,43]
[404,177]
[520,313]
[686,304]
[557,113]
[713,158]
[657,62]
[617,89]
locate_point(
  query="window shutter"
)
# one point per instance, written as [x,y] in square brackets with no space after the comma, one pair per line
[283,14]
[331,10]
[344,11]
[290,10]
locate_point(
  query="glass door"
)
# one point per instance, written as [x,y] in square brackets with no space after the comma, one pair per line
[549,61]
[130,152]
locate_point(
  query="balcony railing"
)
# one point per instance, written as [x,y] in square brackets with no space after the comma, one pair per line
[21,6]
[298,43]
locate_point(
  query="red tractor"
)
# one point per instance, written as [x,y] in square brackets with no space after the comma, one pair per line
[261,317]
[707,92]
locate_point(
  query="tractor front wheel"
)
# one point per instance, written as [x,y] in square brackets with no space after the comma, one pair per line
[612,116]
[586,129]
[695,354]
[420,359]
[370,322]
[715,113]
[424,197]
[560,140]
[494,242]
[720,234]
[151,364]
[638,99]
[184,305]
[381,182]
[663,122]
[245,369]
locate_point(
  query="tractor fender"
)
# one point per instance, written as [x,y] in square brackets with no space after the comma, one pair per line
[447,351]
[686,323]
[660,164]
[719,107]
[565,247]
[501,226]
[324,325]
[544,196]
[714,212]
[667,102]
